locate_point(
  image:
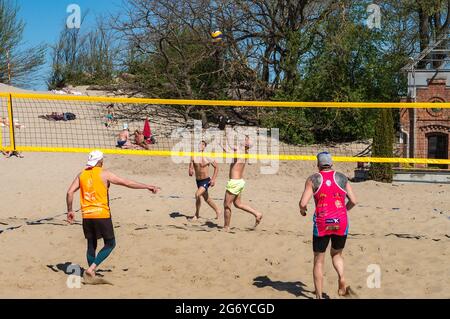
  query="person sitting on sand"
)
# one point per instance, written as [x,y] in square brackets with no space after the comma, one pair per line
[93,183]
[5,122]
[9,154]
[236,184]
[123,140]
[110,116]
[200,166]
[330,190]
[139,140]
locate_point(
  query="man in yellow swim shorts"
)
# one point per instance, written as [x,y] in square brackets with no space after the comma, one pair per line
[234,189]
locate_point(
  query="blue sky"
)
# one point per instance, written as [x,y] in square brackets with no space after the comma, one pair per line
[44,20]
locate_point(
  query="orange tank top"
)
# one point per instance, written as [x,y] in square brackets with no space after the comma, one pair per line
[94,197]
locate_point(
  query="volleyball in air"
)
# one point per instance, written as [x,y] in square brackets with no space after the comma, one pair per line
[217,36]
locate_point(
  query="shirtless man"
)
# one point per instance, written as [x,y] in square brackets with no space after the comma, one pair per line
[200,165]
[236,185]
[139,139]
[123,140]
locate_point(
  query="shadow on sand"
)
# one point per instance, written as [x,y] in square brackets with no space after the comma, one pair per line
[178,214]
[69,268]
[295,288]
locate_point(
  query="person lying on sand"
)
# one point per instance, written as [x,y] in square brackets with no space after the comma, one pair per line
[236,184]
[330,189]
[200,166]
[93,183]
[59,116]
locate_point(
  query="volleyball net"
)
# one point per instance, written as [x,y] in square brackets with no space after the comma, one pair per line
[165,127]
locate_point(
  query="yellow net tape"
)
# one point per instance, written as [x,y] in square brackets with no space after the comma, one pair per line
[234,103]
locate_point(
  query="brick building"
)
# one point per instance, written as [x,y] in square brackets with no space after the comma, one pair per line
[425,132]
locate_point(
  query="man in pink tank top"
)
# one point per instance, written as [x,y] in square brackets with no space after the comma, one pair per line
[330,190]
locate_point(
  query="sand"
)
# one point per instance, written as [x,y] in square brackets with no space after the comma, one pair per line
[404,228]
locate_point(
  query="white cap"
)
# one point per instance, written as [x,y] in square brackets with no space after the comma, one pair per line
[94,157]
[125,126]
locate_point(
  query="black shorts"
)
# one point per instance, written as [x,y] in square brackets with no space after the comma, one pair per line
[320,244]
[204,183]
[94,228]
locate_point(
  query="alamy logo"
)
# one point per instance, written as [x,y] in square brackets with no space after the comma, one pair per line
[374,279]
[254,144]
[74,279]
[74,19]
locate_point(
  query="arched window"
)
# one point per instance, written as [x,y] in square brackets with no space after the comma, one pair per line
[438,147]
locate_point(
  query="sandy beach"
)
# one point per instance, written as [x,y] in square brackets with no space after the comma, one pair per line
[155,90]
[405,229]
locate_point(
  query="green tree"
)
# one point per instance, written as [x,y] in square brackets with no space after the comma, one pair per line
[23,63]
[348,62]
[383,143]
[83,58]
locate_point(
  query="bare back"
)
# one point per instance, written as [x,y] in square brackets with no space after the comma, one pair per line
[124,135]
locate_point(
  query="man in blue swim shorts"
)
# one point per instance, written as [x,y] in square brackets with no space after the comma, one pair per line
[200,166]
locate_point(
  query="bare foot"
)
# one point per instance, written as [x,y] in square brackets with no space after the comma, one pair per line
[258,220]
[218,215]
[226,229]
[194,218]
[342,288]
[90,272]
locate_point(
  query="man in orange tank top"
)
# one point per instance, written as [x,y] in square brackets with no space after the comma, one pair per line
[330,190]
[93,183]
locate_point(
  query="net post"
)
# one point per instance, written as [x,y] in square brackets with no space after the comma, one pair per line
[1,135]
[1,127]
[11,123]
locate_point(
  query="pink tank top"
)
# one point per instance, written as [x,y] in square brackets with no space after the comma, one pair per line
[330,216]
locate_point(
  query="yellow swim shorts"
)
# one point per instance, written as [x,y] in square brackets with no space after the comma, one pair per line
[235,186]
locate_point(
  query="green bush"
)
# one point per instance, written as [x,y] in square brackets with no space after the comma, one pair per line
[383,142]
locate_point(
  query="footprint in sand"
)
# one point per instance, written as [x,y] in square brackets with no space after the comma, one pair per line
[89,280]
